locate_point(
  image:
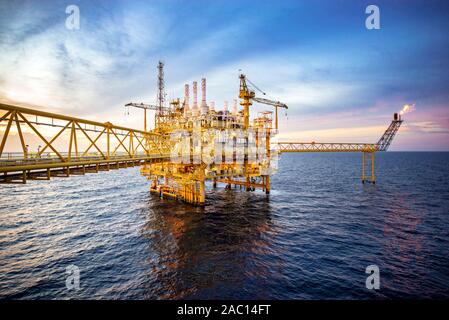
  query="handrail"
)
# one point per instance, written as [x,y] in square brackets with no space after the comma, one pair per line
[325,147]
[34,112]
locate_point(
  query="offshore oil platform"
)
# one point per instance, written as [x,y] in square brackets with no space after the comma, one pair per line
[191,143]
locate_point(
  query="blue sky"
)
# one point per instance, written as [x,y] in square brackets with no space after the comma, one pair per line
[341,81]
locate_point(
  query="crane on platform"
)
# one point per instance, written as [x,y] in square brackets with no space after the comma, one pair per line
[192,138]
[275,104]
[159,108]
[248,95]
[145,107]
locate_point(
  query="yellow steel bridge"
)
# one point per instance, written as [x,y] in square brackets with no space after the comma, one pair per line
[123,147]
[108,146]
[230,148]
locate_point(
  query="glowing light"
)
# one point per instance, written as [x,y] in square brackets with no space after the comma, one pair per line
[407,108]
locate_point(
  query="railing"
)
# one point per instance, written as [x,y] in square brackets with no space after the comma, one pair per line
[114,138]
[325,147]
[17,159]
[32,164]
[51,155]
[70,141]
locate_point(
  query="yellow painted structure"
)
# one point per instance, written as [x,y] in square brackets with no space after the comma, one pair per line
[121,147]
[202,138]
[187,147]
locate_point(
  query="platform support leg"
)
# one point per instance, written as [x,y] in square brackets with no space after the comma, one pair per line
[365,158]
[363,166]
[202,193]
[267,184]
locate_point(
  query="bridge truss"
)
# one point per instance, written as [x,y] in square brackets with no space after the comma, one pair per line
[88,146]
[91,146]
[368,151]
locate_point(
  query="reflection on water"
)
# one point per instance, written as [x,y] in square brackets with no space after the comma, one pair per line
[407,243]
[205,249]
[312,238]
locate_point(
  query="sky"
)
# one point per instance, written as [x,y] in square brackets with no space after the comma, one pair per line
[341,81]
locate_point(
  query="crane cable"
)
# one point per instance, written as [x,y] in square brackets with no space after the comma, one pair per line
[255,87]
[260,90]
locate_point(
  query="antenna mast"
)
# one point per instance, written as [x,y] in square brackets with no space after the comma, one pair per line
[161,87]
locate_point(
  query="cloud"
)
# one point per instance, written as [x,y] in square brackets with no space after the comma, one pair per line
[427,127]
[363,134]
[75,70]
[329,70]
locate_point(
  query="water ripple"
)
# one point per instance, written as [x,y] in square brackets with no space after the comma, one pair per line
[312,238]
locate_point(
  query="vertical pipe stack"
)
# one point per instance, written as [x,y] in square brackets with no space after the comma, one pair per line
[186,100]
[195,99]
[204,108]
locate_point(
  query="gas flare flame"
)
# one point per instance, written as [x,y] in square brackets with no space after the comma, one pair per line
[407,108]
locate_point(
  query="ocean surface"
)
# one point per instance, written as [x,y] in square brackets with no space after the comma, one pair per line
[311,238]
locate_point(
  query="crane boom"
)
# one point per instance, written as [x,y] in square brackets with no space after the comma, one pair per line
[144,106]
[276,104]
[247,95]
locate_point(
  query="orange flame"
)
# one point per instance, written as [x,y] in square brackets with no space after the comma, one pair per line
[407,108]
